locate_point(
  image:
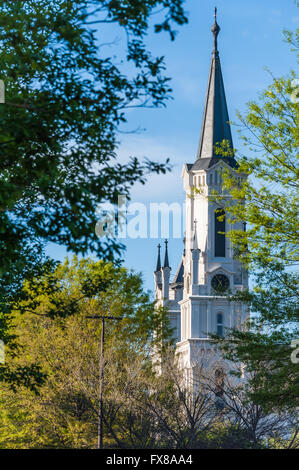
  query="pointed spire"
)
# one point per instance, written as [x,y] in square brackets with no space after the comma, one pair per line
[215,125]
[158,267]
[166,261]
[178,279]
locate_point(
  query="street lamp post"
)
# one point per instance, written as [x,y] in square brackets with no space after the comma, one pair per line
[101,373]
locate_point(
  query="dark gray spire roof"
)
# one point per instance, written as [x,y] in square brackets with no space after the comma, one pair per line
[206,163]
[178,279]
[166,261]
[215,124]
[158,267]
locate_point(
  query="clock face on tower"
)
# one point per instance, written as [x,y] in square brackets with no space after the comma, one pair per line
[220,283]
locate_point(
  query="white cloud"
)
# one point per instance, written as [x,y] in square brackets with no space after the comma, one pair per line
[158,187]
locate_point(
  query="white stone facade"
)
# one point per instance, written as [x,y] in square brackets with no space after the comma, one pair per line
[196,299]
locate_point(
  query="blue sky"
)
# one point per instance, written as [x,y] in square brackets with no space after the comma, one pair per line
[250,39]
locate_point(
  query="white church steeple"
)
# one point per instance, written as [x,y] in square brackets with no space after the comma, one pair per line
[215,123]
[197,296]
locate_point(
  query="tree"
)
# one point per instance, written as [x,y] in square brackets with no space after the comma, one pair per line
[31,263]
[54,333]
[248,424]
[266,196]
[142,408]
[66,99]
[212,408]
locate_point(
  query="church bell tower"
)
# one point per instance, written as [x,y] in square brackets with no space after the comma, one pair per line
[197,295]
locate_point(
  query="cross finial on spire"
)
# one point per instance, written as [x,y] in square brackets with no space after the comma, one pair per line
[215,30]
[166,261]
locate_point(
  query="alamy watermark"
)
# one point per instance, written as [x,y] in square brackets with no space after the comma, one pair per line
[138,220]
[295,353]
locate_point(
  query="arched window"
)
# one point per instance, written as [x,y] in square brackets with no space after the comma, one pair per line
[219,324]
[220,233]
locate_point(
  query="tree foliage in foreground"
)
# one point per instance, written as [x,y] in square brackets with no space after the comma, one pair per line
[268,201]
[53,331]
[66,100]
[68,88]
[142,408]
[86,287]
